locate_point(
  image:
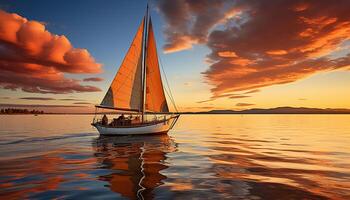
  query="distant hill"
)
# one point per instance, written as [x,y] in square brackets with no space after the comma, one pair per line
[279,110]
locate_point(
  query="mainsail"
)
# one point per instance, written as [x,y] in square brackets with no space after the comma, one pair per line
[155,98]
[125,92]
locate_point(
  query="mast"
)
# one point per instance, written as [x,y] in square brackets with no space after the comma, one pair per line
[144,52]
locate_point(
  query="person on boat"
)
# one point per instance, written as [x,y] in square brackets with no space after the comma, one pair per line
[104,120]
[114,122]
[121,119]
[137,119]
[128,120]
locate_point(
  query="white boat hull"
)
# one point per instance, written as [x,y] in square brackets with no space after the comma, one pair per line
[158,128]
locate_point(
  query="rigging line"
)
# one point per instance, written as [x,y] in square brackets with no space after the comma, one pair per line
[166,80]
[171,99]
[166,91]
[169,92]
[167,83]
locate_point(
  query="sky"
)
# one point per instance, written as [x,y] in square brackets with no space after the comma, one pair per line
[223,54]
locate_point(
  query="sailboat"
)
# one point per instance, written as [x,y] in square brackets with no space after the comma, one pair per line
[137,89]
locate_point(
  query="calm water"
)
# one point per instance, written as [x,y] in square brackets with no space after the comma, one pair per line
[205,156]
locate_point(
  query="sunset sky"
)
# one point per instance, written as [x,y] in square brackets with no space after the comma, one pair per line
[223,54]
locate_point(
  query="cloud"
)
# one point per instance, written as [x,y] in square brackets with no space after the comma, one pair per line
[71,99]
[252,91]
[244,104]
[199,108]
[255,44]
[82,103]
[48,99]
[188,21]
[39,106]
[238,96]
[188,84]
[216,97]
[95,79]
[301,6]
[227,54]
[205,101]
[277,52]
[231,96]
[37,98]
[34,60]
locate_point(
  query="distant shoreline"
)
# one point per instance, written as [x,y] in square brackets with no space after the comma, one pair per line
[193,114]
[278,110]
[186,113]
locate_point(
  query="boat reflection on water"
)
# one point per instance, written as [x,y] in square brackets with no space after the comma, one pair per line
[136,163]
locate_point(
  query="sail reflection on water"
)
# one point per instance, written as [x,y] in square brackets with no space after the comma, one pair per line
[136,163]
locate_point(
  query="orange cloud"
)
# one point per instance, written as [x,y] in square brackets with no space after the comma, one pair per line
[231,96]
[48,99]
[277,52]
[323,44]
[276,43]
[238,96]
[35,60]
[241,61]
[95,79]
[227,54]
[205,101]
[245,104]
[179,43]
[39,106]
[189,22]
[83,103]
[38,98]
[252,91]
[300,7]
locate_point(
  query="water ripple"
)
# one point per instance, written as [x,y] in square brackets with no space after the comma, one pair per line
[204,157]
[44,139]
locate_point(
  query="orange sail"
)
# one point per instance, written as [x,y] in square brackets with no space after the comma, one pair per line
[155,98]
[125,92]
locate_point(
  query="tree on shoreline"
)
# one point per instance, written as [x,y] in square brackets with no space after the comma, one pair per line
[20,111]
